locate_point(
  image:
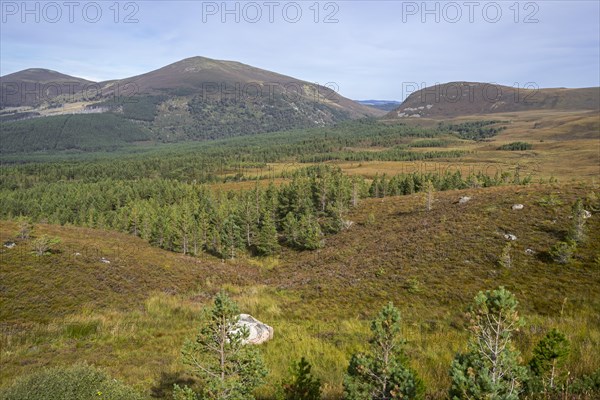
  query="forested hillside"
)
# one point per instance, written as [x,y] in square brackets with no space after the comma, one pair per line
[310,231]
[70,132]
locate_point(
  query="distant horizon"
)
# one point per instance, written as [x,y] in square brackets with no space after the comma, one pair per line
[360,99]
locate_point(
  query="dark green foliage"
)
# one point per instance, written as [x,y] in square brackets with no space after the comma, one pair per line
[302,385]
[490,369]
[548,356]
[227,117]
[141,108]
[303,233]
[81,382]
[158,196]
[476,130]
[226,367]
[516,146]
[431,143]
[189,218]
[562,252]
[76,132]
[267,242]
[588,385]
[382,373]
[394,154]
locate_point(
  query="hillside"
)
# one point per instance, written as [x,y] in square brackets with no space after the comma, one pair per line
[70,132]
[38,86]
[193,99]
[138,310]
[472,98]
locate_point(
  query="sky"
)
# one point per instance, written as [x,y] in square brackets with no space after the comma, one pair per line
[367,49]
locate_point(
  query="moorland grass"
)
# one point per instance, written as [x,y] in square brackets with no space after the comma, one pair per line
[131,317]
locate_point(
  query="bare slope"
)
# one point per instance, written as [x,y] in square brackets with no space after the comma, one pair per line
[469,98]
[35,86]
[216,79]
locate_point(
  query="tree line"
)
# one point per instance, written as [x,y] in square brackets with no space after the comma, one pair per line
[193,219]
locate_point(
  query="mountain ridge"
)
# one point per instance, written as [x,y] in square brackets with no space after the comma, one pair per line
[192,99]
[462,98]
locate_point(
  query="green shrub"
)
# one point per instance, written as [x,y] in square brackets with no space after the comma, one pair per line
[516,146]
[81,382]
[562,252]
[302,385]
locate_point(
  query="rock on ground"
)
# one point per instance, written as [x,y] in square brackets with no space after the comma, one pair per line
[259,332]
[464,200]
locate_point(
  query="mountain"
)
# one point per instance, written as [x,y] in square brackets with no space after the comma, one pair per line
[468,98]
[385,105]
[35,86]
[194,99]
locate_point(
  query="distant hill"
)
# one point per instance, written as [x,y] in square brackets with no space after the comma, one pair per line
[468,98]
[194,99]
[36,86]
[385,105]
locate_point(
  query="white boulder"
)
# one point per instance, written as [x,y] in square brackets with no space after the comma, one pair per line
[464,200]
[517,206]
[510,236]
[259,332]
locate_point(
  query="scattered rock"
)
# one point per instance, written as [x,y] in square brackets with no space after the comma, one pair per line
[529,252]
[105,260]
[259,332]
[9,245]
[510,236]
[77,253]
[586,214]
[517,206]
[464,200]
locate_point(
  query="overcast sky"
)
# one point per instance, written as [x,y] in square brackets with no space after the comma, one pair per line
[370,49]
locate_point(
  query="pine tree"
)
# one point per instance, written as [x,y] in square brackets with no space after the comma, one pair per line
[43,244]
[374,189]
[548,356]
[383,372]
[267,242]
[309,233]
[291,230]
[490,369]
[231,237]
[226,367]
[302,385]
[24,227]
[562,252]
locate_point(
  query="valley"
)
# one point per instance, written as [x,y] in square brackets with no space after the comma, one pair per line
[121,221]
